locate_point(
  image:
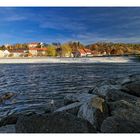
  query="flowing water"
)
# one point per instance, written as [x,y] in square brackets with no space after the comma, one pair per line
[36,84]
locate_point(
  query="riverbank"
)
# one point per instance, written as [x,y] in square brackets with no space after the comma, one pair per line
[112,106]
[102,59]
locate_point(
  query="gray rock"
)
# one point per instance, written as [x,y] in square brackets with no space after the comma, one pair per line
[6,96]
[114,124]
[71,108]
[115,95]
[60,122]
[103,88]
[132,88]
[80,97]
[135,77]
[7,129]
[125,110]
[94,111]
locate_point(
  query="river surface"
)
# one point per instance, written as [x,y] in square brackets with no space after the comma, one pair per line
[35,85]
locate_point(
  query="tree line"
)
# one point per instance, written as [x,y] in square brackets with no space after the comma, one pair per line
[66,49]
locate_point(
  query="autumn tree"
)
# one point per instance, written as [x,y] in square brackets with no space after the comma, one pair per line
[66,50]
[51,51]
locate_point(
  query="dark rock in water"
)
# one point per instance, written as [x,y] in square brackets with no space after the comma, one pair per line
[114,124]
[115,95]
[132,88]
[8,96]
[94,111]
[60,122]
[71,108]
[125,110]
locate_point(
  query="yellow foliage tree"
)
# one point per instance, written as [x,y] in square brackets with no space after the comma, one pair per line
[51,50]
[66,50]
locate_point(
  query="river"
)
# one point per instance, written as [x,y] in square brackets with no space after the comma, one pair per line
[36,84]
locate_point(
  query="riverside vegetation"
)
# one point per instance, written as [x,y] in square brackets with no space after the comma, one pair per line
[111,106]
[65,49]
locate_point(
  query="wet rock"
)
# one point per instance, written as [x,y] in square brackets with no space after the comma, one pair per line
[7,129]
[114,124]
[125,110]
[132,88]
[103,88]
[12,119]
[80,97]
[8,96]
[9,120]
[60,122]
[94,111]
[115,95]
[71,108]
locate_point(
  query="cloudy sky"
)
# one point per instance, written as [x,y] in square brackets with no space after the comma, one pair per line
[88,25]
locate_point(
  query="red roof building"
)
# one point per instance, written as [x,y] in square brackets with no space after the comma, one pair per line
[33,44]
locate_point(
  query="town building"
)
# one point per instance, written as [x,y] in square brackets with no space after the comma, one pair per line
[33,44]
[1,53]
[88,52]
[6,53]
[38,51]
[17,53]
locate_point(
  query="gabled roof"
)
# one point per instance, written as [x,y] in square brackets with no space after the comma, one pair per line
[88,51]
[17,51]
[81,51]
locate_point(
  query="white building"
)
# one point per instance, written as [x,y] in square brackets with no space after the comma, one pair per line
[33,45]
[1,53]
[6,53]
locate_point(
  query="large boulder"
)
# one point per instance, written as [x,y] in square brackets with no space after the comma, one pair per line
[125,110]
[132,88]
[59,122]
[115,124]
[79,97]
[71,108]
[94,111]
[103,88]
[115,95]
[7,129]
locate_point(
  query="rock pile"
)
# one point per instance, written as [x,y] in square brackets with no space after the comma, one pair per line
[112,106]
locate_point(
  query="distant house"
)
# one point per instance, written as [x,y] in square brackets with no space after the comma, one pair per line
[6,53]
[95,53]
[88,52]
[16,53]
[33,44]
[82,53]
[38,51]
[1,53]
[103,52]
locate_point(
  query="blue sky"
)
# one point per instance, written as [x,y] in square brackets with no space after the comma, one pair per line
[62,24]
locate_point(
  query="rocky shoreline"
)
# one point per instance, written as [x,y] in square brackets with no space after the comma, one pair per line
[111,106]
